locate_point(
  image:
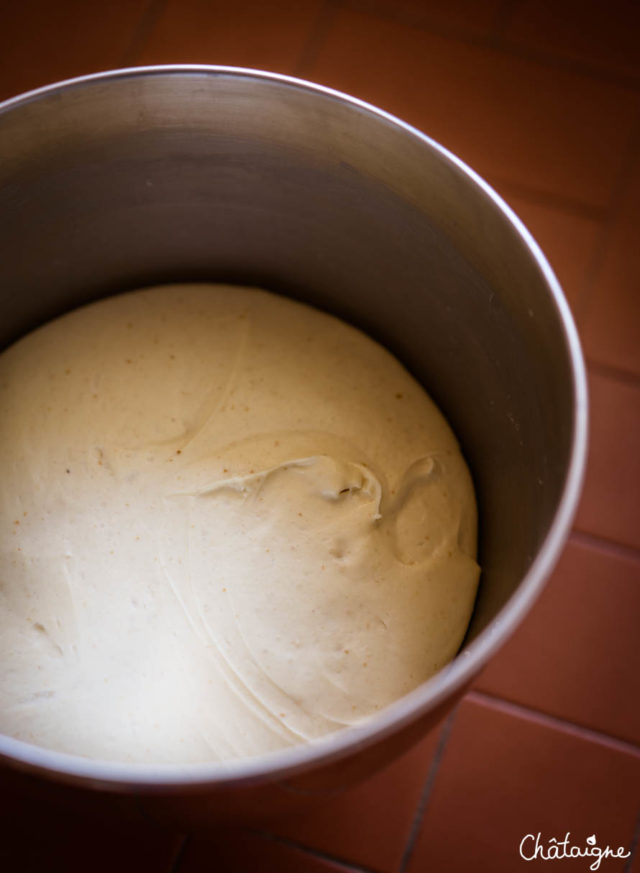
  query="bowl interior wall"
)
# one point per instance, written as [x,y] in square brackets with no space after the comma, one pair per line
[122,183]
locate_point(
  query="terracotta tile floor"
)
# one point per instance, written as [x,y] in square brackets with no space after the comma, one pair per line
[543,98]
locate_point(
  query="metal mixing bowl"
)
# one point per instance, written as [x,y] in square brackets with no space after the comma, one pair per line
[151,175]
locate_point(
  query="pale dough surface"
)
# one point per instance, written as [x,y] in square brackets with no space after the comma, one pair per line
[229,523]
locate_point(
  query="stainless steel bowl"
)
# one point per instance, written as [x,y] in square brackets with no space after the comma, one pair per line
[151,175]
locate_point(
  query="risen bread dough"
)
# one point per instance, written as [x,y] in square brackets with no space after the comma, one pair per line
[230,523]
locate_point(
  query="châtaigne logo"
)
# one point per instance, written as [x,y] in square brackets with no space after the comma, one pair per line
[533,848]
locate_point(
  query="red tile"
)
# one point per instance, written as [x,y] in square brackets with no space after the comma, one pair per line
[611,323]
[520,121]
[567,239]
[610,505]
[602,35]
[473,17]
[266,36]
[503,777]
[239,850]
[368,825]
[42,42]
[576,656]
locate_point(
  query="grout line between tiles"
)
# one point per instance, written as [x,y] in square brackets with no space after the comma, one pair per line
[570,65]
[617,550]
[475,37]
[176,861]
[407,17]
[547,198]
[423,802]
[633,846]
[317,36]
[501,20]
[626,376]
[481,39]
[142,31]
[616,199]
[518,710]
[142,812]
[347,866]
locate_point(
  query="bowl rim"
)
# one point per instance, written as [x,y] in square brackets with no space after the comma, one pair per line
[294,760]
